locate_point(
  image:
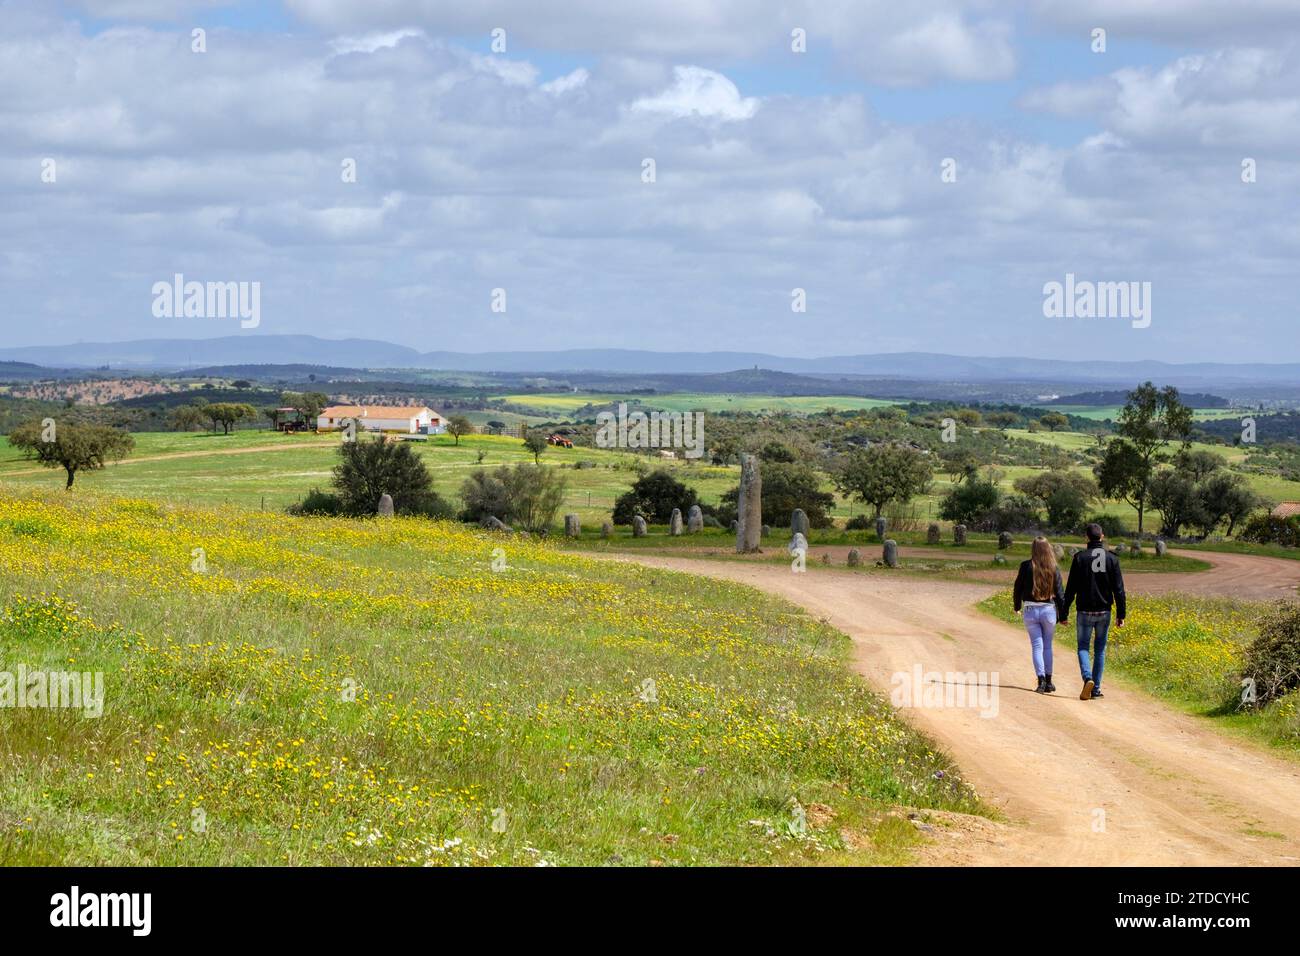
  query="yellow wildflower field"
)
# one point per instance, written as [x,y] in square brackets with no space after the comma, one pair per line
[1188,649]
[403,692]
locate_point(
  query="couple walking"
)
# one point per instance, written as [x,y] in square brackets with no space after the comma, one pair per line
[1095,581]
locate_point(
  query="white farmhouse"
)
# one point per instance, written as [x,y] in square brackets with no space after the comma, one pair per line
[403,419]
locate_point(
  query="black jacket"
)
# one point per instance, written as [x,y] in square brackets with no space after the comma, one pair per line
[1096,590]
[1024,588]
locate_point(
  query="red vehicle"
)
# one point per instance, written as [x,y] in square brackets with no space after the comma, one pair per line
[559,440]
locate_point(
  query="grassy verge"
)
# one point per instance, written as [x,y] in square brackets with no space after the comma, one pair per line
[320,691]
[1186,650]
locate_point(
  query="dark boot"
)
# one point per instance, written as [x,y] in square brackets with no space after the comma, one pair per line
[1042,685]
[1051,688]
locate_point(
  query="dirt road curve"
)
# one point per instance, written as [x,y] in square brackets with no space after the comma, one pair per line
[1120,781]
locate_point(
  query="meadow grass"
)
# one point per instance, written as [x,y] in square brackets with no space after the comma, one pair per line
[331,691]
[565,403]
[1187,650]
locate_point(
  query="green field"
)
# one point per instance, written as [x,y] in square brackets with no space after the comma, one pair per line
[1111,412]
[259,469]
[329,691]
[565,403]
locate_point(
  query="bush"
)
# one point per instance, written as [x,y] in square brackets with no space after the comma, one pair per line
[653,497]
[786,486]
[318,502]
[1012,513]
[1272,660]
[1113,526]
[524,495]
[860,523]
[968,501]
[369,469]
[1270,529]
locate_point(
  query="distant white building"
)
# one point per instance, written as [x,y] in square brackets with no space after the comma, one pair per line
[403,419]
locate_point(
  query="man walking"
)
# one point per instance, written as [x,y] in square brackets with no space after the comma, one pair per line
[1096,580]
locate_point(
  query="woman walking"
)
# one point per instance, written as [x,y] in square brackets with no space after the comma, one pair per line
[1039,593]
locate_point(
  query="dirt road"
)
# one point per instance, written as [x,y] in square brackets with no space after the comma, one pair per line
[1120,781]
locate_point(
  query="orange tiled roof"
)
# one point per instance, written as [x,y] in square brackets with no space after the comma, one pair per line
[375,411]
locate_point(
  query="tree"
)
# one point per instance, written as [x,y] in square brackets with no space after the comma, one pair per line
[786,486]
[1173,494]
[959,463]
[535,442]
[459,425]
[1054,421]
[1121,474]
[969,501]
[1150,420]
[186,418]
[307,404]
[496,427]
[883,474]
[1224,497]
[228,414]
[1065,494]
[369,469]
[72,447]
[1199,465]
[654,496]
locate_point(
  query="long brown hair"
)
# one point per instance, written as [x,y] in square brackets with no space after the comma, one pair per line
[1044,560]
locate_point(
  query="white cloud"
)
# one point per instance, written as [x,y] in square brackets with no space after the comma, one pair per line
[472,174]
[699,92]
[881,40]
[567,83]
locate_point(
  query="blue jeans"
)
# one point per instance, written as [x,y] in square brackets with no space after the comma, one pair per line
[1086,625]
[1040,622]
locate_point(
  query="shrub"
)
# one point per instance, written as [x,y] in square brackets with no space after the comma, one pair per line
[524,495]
[968,501]
[1271,529]
[1012,513]
[860,523]
[369,469]
[653,497]
[1272,660]
[1113,526]
[786,486]
[318,502]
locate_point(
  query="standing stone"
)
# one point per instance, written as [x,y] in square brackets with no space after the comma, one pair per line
[880,527]
[675,523]
[735,525]
[932,534]
[638,526]
[891,553]
[695,520]
[606,529]
[798,522]
[797,541]
[1161,548]
[999,558]
[572,528]
[493,523]
[1135,548]
[1004,540]
[855,557]
[749,506]
[1059,552]
[385,505]
[959,534]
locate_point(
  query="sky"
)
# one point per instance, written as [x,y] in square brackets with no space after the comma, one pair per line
[830,177]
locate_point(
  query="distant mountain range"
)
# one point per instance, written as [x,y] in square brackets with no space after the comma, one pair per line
[178,354]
